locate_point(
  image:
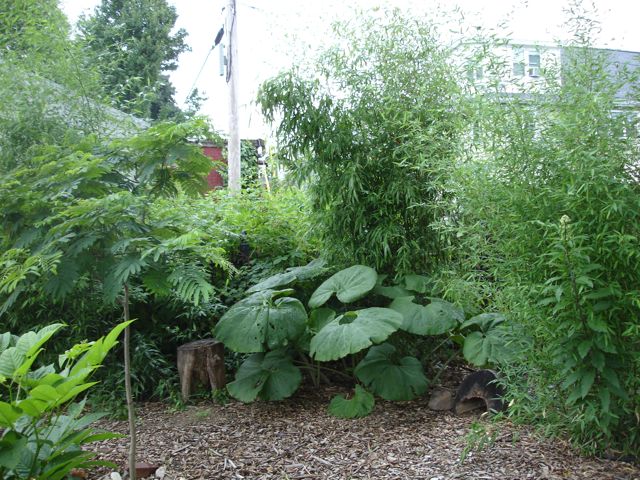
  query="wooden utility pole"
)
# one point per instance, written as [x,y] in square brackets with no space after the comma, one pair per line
[233,147]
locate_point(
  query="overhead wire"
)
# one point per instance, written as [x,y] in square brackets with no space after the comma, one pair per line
[216,41]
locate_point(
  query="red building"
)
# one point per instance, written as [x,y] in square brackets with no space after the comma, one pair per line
[214,152]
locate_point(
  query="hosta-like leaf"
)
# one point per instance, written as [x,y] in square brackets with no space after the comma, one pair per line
[434,319]
[306,272]
[481,348]
[360,405]
[485,321]
[354,331]
[391,378]
[319,318]
[270,376]
[276,281]
[259,322]
[395,291]
[417,283]
[349,285]
[493,343]
[311,270]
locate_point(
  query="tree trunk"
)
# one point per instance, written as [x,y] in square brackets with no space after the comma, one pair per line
[201,361]
[127,386]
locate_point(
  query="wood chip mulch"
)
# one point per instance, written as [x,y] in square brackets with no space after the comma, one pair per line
[298,439]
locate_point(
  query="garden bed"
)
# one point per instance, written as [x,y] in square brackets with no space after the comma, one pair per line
[297,439]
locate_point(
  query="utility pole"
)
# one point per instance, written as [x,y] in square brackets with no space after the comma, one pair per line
[233,146]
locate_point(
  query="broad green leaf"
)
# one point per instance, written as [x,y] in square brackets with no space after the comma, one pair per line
[485,321]
[354,331]
[270,376]
[11,446]
[45,393]
[349,285]
[417,283]
[598,359]
[597,324]
[10,360]
[306,272]
[392,379]
[584,347]
[29,343]
[6,339]
[492,346]
[319,318]
[259,322]
[8,414]
[311,270]
[586,382]
[605,398]
[275,281]
[435,319]
[395,291]
[98,351]
[32,407]
[360,405]
[476,348]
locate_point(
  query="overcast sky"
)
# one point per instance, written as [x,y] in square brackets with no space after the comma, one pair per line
[273,32]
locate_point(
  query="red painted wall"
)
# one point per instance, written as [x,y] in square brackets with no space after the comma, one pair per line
[214,179]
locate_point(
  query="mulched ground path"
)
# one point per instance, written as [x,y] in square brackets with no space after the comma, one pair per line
[297,439]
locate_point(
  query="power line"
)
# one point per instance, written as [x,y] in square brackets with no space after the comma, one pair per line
[216,41]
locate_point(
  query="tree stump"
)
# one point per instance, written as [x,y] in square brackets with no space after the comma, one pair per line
[201,361]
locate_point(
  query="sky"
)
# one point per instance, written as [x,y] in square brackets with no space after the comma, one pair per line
[274,33]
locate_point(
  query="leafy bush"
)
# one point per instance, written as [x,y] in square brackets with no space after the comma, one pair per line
[373,136]
[43,431]
[549,231]
[275,327]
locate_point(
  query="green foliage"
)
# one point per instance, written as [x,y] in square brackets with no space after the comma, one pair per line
[548,227]
[96,205]
[48,90]
[43,431]
[373,137]
[493,343]
[271,320]
[436,318]
[81,223]
[133,43]
[349,285]
[266,320]
[354,331]
[389,377]
[291,275]
[360,405]
[270,376]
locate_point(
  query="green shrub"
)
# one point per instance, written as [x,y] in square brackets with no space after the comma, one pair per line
[43,431]
[349,318]
[372,129]
[548,225]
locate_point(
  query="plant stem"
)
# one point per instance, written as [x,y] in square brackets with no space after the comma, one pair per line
[437,377]
[127,386]
[319,369]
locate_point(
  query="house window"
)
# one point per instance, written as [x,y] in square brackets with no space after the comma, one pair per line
[518,62]
[534,65]
[475,72]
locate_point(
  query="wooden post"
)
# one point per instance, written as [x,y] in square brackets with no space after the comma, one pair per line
[233,147]
[201,361]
